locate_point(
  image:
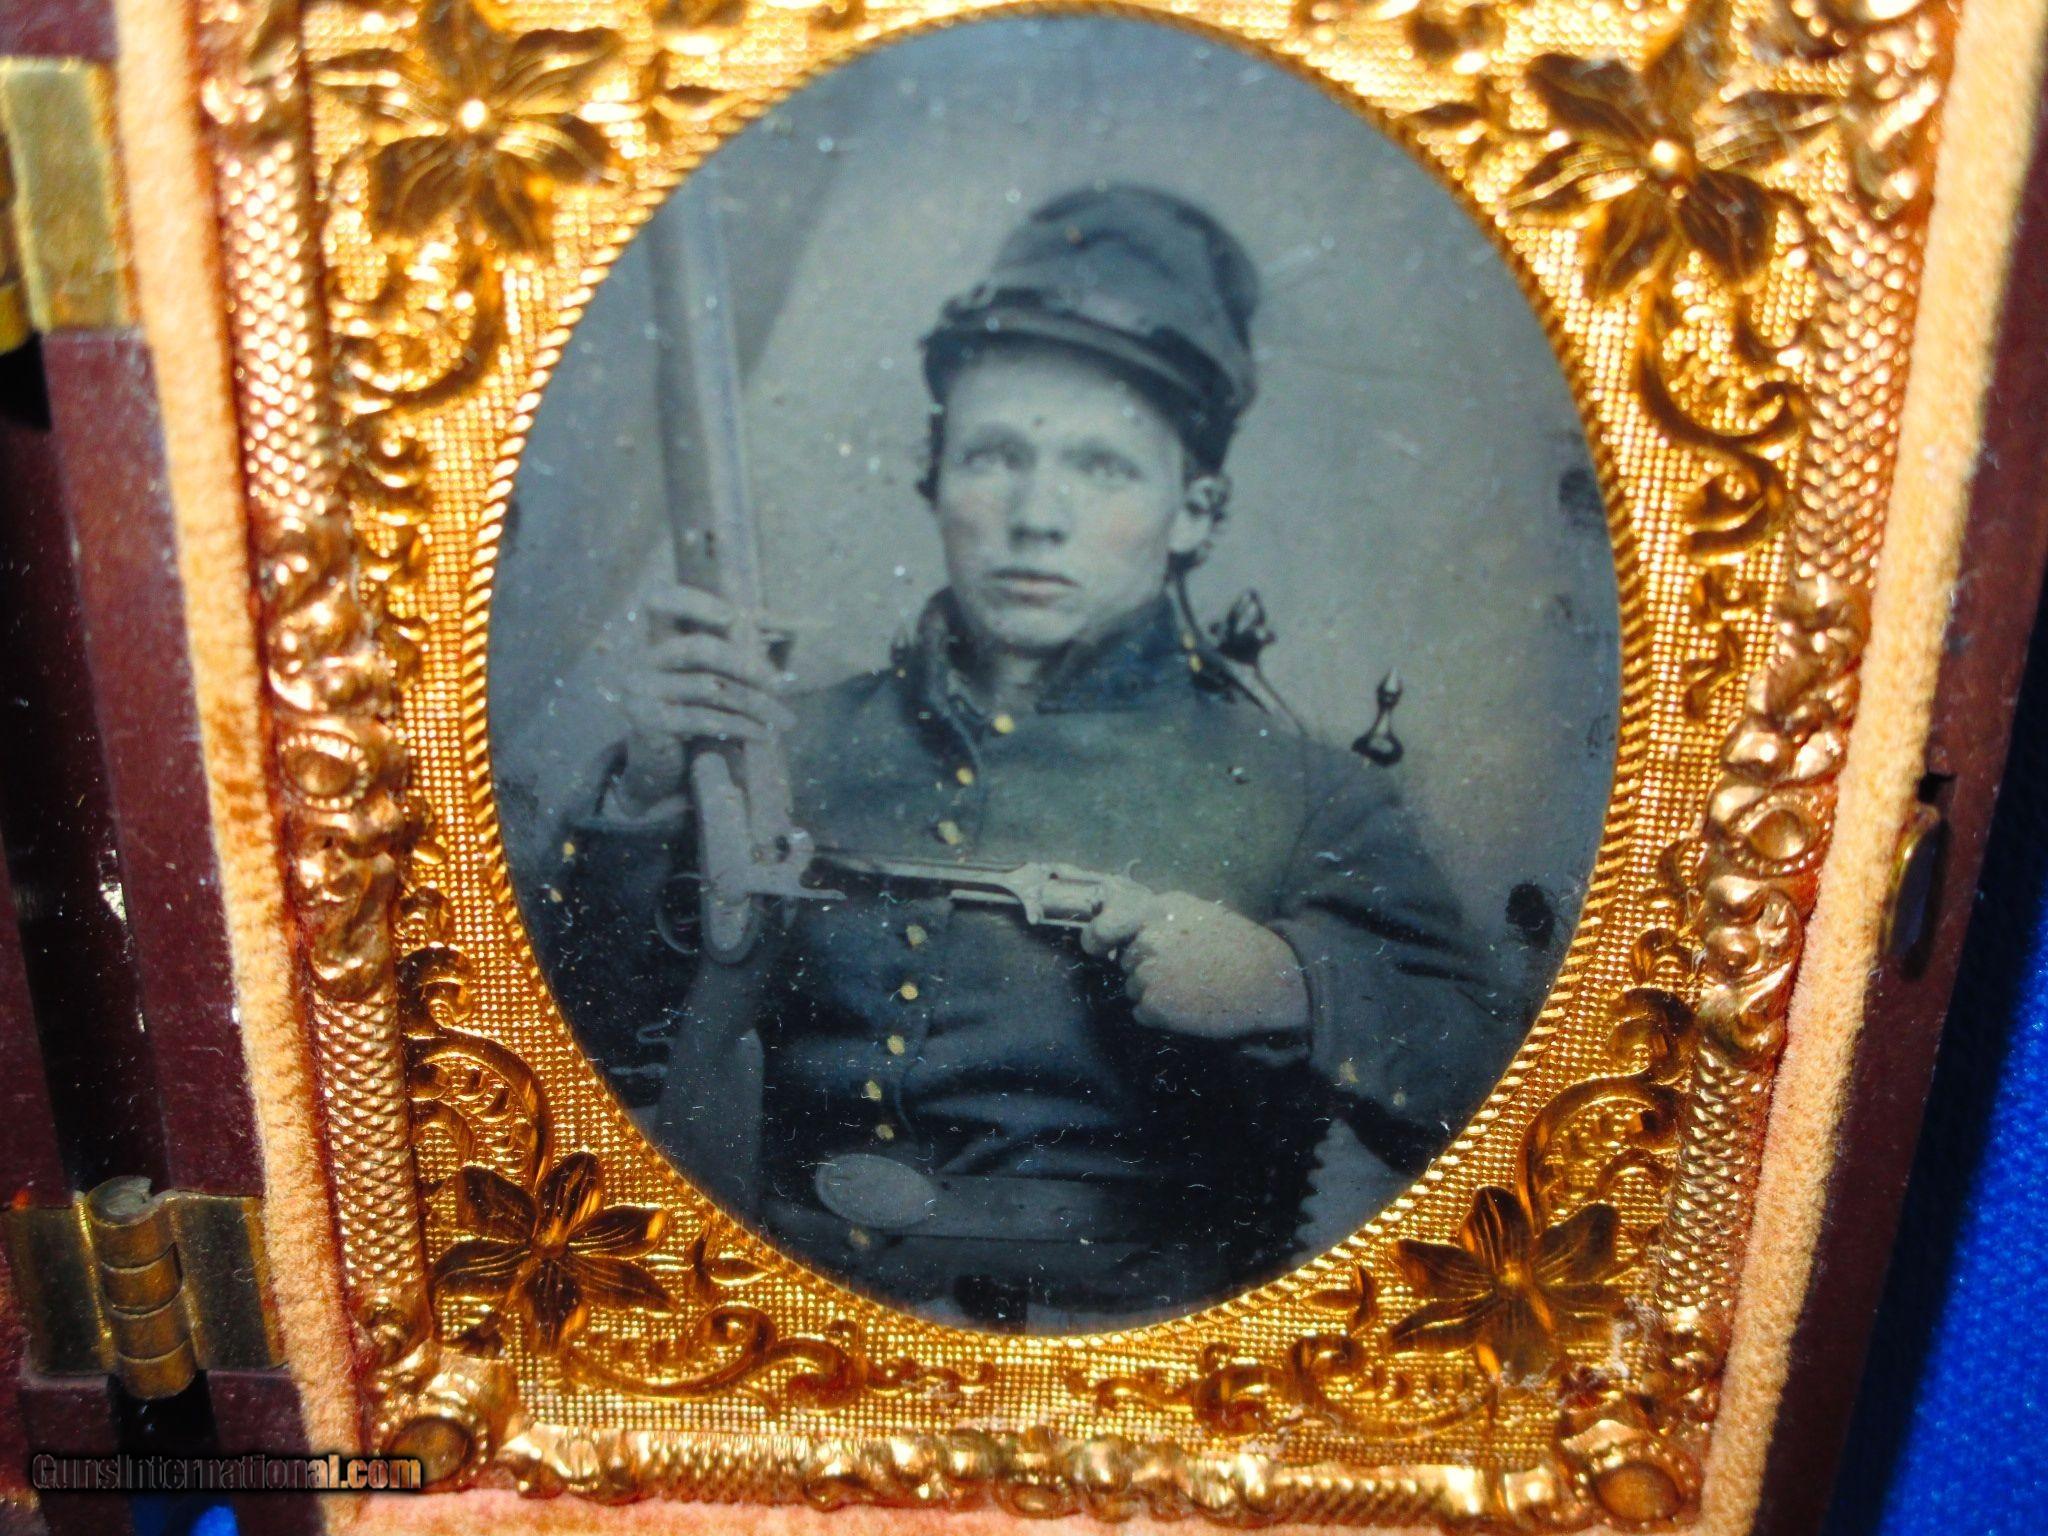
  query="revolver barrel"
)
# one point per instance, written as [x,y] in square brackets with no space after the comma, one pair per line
[1049,895]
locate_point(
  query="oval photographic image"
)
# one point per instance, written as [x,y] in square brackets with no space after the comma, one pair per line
[1054,673]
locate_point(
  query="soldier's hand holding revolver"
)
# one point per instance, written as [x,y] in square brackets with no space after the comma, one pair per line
[691,682]
[1196,967]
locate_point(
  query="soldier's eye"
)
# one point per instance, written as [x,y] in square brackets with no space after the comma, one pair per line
[983,457]
[1104,465]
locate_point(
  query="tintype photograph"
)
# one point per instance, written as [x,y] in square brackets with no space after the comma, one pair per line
[1054,673]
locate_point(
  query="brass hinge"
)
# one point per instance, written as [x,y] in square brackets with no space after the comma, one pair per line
[63,245]
[150,1289]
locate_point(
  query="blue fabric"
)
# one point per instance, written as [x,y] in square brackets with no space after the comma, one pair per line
[1950,1428]
[166,1516]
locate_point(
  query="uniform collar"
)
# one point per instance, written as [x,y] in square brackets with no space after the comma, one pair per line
[1124,668]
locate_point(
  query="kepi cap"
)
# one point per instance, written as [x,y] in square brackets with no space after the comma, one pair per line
[1142,279]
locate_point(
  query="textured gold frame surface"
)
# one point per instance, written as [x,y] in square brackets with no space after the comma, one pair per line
[1717,209]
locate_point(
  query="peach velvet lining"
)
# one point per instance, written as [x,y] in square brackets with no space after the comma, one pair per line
[178,286]
[1983,156]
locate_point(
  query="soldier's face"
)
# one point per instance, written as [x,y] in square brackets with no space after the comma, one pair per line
[1061,494]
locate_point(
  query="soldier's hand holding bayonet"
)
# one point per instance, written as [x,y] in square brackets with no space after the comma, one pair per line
[1197,968]
[692,681]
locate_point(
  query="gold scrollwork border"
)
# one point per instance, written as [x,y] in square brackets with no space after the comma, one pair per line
[1661,159]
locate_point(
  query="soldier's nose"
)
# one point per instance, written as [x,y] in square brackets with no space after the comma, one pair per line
[1041,512]
[1024,531]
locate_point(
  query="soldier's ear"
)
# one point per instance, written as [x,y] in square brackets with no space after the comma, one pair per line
[1202,507]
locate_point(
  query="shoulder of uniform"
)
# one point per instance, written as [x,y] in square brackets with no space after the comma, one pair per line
[1239,725]
[1324,769]
[1339,777]
[856,689]
[829,710]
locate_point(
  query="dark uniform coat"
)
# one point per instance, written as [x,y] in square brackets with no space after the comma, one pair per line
[1055,1153]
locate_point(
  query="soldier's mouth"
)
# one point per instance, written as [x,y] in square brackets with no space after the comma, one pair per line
[1020,585]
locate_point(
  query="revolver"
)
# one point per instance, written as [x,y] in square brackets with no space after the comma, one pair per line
[1049,895]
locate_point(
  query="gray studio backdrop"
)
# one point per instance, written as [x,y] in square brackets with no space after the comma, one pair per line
[1412,487]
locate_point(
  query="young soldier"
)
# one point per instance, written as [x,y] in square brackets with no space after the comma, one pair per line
[1008,1123]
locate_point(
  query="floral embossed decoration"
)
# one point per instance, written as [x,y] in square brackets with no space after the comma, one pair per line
[554,1254]
[477,123]
[1661,165]
[1510,1294]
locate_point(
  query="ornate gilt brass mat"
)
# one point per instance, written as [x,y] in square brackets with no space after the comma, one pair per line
[1712,215]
